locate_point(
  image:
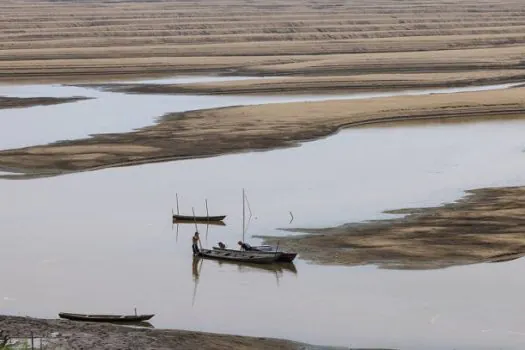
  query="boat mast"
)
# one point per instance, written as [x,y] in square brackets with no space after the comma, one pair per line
[243,215]
[177,197]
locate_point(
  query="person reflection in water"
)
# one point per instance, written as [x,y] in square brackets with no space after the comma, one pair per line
[196,245]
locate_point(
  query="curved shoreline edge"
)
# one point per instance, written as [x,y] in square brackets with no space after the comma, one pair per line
[24,102]
[228,130]
[485,226]
[62,334]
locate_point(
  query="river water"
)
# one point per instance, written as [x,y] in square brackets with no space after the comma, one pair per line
[104,242]
[108,112]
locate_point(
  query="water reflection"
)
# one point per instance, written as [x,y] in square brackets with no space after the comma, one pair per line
[277,269]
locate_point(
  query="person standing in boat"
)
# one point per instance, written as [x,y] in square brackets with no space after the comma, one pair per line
[245,246]
[196,245]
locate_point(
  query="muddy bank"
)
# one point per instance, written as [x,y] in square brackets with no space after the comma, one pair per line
[212,132]
[326,85]
[22,102]
[485,226]
[61,334]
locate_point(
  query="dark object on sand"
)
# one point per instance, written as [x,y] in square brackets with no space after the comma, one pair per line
[189,218]
[105,318]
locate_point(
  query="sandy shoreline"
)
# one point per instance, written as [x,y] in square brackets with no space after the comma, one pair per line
[484,226]
[62,334]
[325,84]
[24,102]
[206,133]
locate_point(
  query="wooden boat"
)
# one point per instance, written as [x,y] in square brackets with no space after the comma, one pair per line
[190,218]
[281,256]
[105,318]
[211,223]
[239,256]
[285,256]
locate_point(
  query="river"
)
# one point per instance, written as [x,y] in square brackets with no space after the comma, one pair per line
[104,242]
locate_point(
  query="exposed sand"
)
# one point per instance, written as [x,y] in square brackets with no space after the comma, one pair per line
[81,335]
[485,226]
[213,132]
[22,102]
[325,84]
[45,40]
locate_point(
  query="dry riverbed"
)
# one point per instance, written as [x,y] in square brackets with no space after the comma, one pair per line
[58,41]
[205,133]
[23,102]
[61,334]
[485,226]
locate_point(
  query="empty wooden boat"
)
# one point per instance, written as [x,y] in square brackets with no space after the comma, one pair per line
[194,218]
[190,218]
[211,223]
[239,255]
[105,318]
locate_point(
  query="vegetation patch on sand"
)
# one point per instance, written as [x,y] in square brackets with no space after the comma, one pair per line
[205,133]
[485,226]
[23,102]
[62,334]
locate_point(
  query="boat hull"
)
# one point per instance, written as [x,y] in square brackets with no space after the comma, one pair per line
[189,218]
[285,256]
[105,318]
[252,257]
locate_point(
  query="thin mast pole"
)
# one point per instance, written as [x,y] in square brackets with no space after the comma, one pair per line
[177,197]
[243,215]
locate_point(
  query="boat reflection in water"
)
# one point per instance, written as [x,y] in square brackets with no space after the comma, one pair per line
[278,269]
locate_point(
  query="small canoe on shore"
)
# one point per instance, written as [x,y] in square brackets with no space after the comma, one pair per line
[189,218]
[105,318]
[239,255]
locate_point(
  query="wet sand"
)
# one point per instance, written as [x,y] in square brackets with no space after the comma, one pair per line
[82,335]
[101,39]
[484,226]
[205,133]
[23,102]
[327,84]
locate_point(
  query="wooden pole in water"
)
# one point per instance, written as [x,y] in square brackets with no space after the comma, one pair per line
[194,219]
[177,198]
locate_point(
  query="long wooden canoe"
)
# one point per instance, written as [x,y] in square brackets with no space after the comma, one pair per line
[105,318]
[239,255]
[189,218]
[192,222]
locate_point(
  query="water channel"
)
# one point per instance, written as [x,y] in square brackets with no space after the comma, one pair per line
[104,242]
